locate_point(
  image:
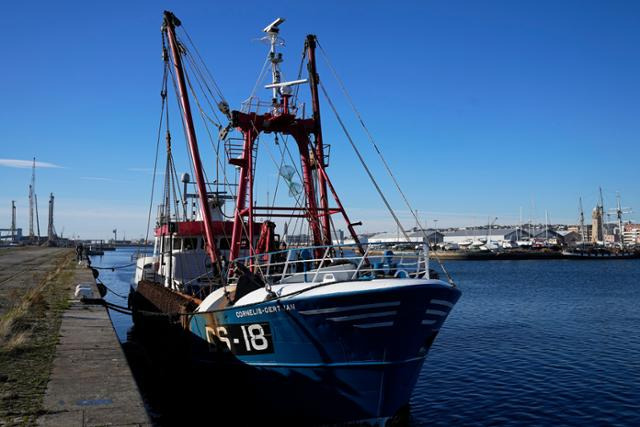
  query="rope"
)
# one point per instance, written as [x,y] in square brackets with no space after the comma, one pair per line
[107,304]
[112,291]
[258,81]
[364,165]
[375,146]
[117,267]
[163,94]
[213,81]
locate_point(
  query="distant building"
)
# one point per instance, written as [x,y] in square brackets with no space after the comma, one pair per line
[496,235]
[554,237]
[570,237]
[631,234]
[298,240]
[596,225]
[587,231]
[415,236]
[6,236]
[433,237]
[337,237]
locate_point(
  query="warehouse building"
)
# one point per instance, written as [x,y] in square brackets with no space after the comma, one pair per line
[495,235]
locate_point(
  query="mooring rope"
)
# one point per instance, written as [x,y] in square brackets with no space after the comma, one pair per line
[115,267]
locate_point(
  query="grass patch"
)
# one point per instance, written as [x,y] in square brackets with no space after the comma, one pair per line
[28,338]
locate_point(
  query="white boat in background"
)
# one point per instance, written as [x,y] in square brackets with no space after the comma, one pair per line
[508,244]
[477,243]
[493,245]
[524,243]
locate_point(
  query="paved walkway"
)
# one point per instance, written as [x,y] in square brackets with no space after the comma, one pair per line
[91,383]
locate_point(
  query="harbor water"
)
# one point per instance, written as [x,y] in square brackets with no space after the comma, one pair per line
[530,342]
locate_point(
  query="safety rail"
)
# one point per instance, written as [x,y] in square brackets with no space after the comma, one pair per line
[255,105]
[234,147]
[337,263]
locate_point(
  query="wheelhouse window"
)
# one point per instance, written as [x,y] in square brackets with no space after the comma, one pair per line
[177,243]
[190,243]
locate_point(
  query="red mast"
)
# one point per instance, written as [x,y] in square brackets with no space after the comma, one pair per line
[310,45]
[170,22]
[280,119]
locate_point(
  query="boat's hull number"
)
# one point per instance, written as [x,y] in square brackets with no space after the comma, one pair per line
[242,339]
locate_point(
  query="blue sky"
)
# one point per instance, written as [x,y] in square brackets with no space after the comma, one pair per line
[481,108]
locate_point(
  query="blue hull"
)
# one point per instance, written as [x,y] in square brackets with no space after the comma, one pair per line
[335,358]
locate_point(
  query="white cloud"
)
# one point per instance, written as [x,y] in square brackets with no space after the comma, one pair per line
[145,170]
[98,178]
[25,164]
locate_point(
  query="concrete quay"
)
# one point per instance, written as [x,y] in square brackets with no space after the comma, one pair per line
[61,363]
[91,383]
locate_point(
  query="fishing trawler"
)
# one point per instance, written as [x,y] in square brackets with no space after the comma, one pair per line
[333,332]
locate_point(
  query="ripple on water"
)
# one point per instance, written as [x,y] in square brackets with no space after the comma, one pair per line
[536,342]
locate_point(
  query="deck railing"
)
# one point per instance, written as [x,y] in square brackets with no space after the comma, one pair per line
[337,263]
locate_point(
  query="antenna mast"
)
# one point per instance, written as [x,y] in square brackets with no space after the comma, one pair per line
[307,135]
[546,226]
[601,209]
[619,214]
[581,221]
[272,31]
[619,211]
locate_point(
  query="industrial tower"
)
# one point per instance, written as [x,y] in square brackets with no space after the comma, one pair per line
[51,231]
[33,203]
[32,187]
[13,221]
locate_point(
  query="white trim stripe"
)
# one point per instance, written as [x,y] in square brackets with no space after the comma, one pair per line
[374,325]
[442,302]
[436,312]
[339,364]
[362,316]
[351,307]
[429,322]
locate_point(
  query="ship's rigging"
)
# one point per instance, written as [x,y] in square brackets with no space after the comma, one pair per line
[310,311]
[307,180]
